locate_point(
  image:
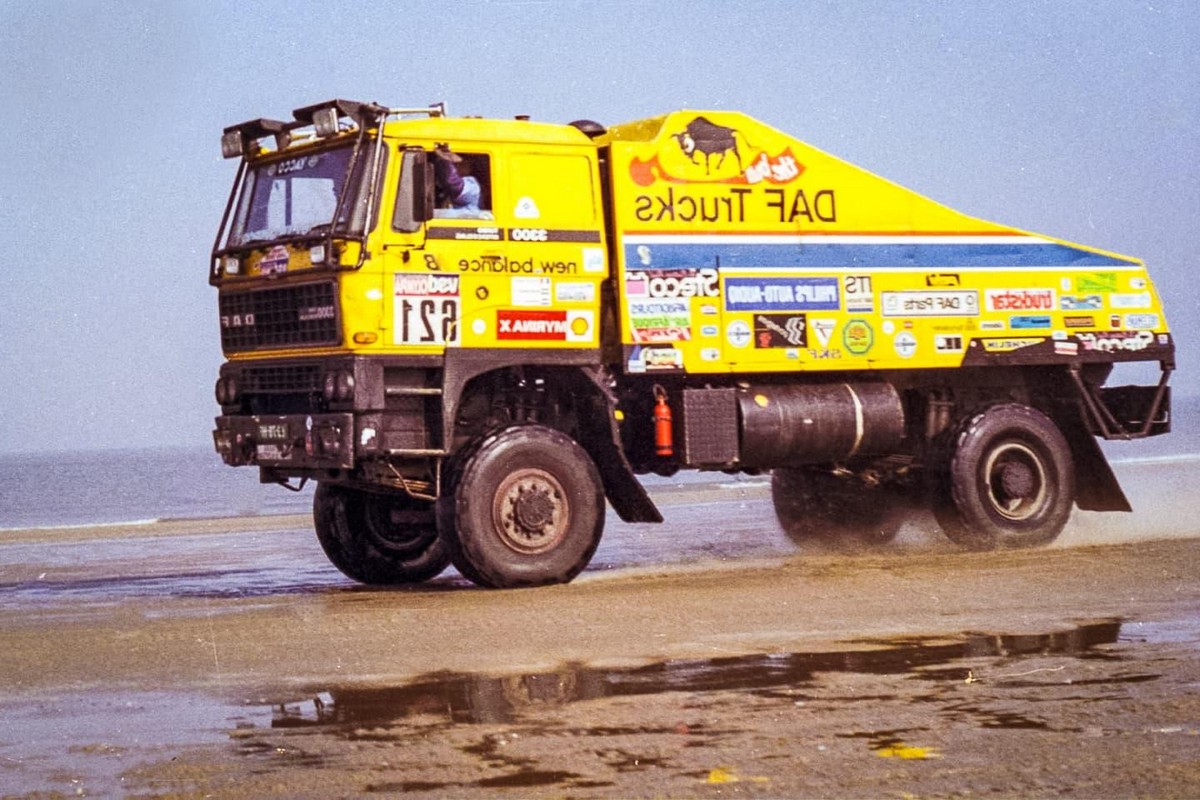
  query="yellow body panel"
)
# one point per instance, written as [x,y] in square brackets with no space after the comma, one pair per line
[742,249]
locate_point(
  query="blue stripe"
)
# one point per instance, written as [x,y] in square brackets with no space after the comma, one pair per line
[865,256]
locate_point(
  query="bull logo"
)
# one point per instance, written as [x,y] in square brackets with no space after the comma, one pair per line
[702,137]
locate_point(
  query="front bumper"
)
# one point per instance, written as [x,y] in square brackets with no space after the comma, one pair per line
[302,441]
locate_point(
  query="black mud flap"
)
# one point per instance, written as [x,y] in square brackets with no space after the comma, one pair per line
[1096,487]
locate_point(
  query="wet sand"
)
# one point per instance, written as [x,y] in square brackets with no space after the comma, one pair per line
[225,658]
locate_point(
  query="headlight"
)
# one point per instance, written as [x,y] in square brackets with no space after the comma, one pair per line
[339,387]
[233,143]
[227,391]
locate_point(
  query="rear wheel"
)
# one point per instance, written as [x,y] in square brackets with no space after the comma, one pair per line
[1006,479]
[525,507]
[816,504]
[384,539]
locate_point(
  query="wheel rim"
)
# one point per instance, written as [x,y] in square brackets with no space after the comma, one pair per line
[530,511]
[1016,481]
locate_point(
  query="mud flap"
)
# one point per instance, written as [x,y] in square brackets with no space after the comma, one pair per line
[1096,487]
[603,442]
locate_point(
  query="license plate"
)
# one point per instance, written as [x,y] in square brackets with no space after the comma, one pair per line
[271,452]
[273,430]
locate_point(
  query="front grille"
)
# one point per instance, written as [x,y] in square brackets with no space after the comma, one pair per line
[294,379]
[285,316]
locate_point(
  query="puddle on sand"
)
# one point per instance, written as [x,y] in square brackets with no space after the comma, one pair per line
[467,698]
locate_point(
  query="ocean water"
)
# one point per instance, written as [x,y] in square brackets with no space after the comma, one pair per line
[126,486]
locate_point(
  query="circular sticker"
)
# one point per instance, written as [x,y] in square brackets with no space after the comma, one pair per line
[738,333]
[905,344]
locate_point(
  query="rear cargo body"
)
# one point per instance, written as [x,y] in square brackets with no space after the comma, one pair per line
[744,250]
[471,332]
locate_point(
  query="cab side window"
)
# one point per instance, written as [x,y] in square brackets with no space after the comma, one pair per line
[463,185]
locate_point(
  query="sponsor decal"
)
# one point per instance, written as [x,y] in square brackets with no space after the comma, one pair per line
[723,153]
[1066,348]
[932,303]
[1008,345]
[1027,322]
[780,330]
[738,333]
[673,283]
[992,325]
[858,337]
[1096,282]
[500,264]
[1137,283]
[825,354]
[860,297]
[710,331]
[823,328]
[275,262]
[1139,321]
[781,294]
[531,291]
[905,344]
[1115,341]
[948,343]
[550,326]
[526,208]
[1079,321]
[710,354]
[660,321]
[1020,299]
[1088,302]
[708,310]
[426,308]
[420,284]
[943,280]
[1135,300]
[571,292]
[655,359]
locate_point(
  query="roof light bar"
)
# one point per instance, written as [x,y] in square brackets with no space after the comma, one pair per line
[324,118]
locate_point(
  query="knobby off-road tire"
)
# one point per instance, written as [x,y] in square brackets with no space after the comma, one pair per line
[1005,478]
[382,539]
[813,504]
[524,507]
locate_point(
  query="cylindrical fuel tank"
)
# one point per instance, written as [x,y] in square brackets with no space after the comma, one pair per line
[786,425]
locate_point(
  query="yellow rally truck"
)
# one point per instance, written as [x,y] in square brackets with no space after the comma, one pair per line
[470,332]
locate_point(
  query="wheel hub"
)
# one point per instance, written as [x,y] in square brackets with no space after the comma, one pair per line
[1017,480]
[533,508]
[530,511]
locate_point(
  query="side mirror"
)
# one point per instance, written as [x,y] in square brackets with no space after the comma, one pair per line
[414,195]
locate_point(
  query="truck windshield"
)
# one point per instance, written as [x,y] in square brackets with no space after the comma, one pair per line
[296,196]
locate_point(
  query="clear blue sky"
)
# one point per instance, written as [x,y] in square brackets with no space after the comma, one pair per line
[1075,118]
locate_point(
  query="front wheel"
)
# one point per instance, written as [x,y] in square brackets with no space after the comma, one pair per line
[1006,479]
[383,539]
[525,507]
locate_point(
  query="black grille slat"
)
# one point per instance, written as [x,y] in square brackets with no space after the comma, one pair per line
[300,379]
[285,316]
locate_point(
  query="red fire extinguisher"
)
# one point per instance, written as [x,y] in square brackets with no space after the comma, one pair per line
[663,441]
